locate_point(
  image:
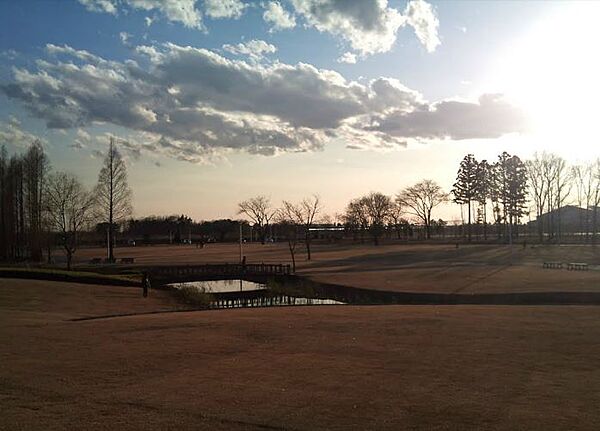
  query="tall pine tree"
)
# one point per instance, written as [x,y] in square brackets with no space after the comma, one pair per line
[465,187]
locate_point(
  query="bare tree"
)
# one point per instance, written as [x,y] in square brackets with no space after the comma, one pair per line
[369,213]
[304,214]
[535,172]
[287,217]
[259,211]
[595,197]
[563,185]
[68,207]
[112,193]
[395,217]
[310,208]
[583,179]
[35,167]
[356,218]
[420,199]
[378,207]
[587,186]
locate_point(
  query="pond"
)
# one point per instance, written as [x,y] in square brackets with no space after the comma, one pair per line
[243,293]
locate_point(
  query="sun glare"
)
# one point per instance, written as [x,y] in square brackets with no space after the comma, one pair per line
[553,72]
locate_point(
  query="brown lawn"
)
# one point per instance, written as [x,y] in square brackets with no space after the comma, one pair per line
[401,267]
[303,368]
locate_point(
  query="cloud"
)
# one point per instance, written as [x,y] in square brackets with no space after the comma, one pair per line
[182,11]
[278,17]
[347,57]
[83,140]
[255,49]
[193,104]
[217,9]
[421,17]
[369,26]
[13,136]
[106,6]
[124,36]
[491,117]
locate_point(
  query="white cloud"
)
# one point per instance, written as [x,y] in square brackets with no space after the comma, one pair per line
[183,11]
[421,17]
[347,57]
[278,17]
[217,9]
[124,36]
[107,6]
[255,49]
[148,21]
[82,140]
[191,104]
[369,26]
[12,134]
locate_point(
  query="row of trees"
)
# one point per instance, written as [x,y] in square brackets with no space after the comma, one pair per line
[554,184]
[294,219]
[40,206]
[376,212]
[21,203]
[503,184]
[513,188]
[181,227]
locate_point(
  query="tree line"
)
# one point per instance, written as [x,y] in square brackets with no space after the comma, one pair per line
[41,207]
[542,185]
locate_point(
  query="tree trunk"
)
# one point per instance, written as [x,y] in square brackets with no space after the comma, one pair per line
[469,220]
[594,224]
[484,221]
[293,254]
[307,240]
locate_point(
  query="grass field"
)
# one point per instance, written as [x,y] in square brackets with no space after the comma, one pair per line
[102,357]
[303,368]
[401,267]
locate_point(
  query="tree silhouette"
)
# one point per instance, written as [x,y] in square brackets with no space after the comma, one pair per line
[259,211]
[465,187]
[483,191]
[112,194]
[304,214]
[68,206]
[420,199]
[510,177]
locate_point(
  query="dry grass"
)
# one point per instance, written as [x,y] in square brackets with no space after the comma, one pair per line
[305,368]
[401,267]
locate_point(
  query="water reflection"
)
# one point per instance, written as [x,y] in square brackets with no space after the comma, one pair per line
[243,293]
[218,286]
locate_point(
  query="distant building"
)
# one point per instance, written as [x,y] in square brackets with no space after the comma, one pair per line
[572,219]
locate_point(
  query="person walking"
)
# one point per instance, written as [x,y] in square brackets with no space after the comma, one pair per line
[145,284]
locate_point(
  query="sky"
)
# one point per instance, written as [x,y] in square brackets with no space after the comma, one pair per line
[217,101]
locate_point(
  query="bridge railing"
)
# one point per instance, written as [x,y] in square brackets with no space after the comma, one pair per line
[222,270]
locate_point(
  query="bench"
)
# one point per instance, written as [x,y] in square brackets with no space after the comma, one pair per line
[577,266]
[127,260]
[553,265]
[96,260]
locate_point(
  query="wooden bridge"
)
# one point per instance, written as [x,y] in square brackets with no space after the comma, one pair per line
[218,271]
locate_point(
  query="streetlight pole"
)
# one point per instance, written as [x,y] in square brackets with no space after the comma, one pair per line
[241,258]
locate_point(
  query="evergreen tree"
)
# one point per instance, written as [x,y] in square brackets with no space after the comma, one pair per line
[483,191]
[510,183]
[465,187]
